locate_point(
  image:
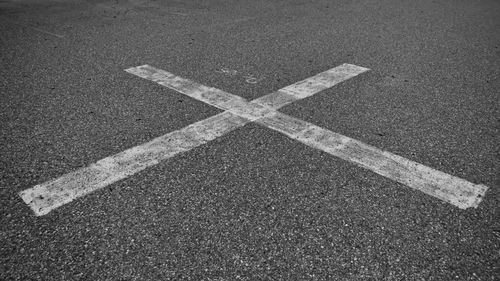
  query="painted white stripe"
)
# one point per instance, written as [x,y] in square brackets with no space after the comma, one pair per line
[323,81]
[208,95]
[211,96]
[259,107]
[456,191]
[310,86]
[46,197]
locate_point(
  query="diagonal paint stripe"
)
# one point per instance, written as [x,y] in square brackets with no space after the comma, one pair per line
[48,196]
[208,95]
[227,101]
[310,86]
[456,191]
[323,81]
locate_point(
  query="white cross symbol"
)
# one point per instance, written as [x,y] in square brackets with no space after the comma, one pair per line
[48,196]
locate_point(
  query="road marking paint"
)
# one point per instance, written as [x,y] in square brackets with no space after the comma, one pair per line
[310,86]
[323,81]
[453,190]
[46,197]
[211,96]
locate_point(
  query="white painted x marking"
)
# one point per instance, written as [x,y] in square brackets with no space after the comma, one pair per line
[48,196]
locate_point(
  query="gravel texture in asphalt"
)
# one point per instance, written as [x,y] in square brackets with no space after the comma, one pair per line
[252,204]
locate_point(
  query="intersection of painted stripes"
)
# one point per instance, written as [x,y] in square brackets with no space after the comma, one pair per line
[48,196]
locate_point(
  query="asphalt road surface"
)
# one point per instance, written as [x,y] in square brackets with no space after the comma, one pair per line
[252,204]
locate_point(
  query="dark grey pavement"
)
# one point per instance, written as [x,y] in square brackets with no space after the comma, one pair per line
[253,204]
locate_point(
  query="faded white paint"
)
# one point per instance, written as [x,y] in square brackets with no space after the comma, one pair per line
[456,191]
[47,196]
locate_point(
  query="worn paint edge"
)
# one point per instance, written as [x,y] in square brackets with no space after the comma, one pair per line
[310,86]
[451,189]
[45,197]
[48,196]
[211,96]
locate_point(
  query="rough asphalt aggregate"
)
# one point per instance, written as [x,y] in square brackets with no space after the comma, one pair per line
[253,204]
